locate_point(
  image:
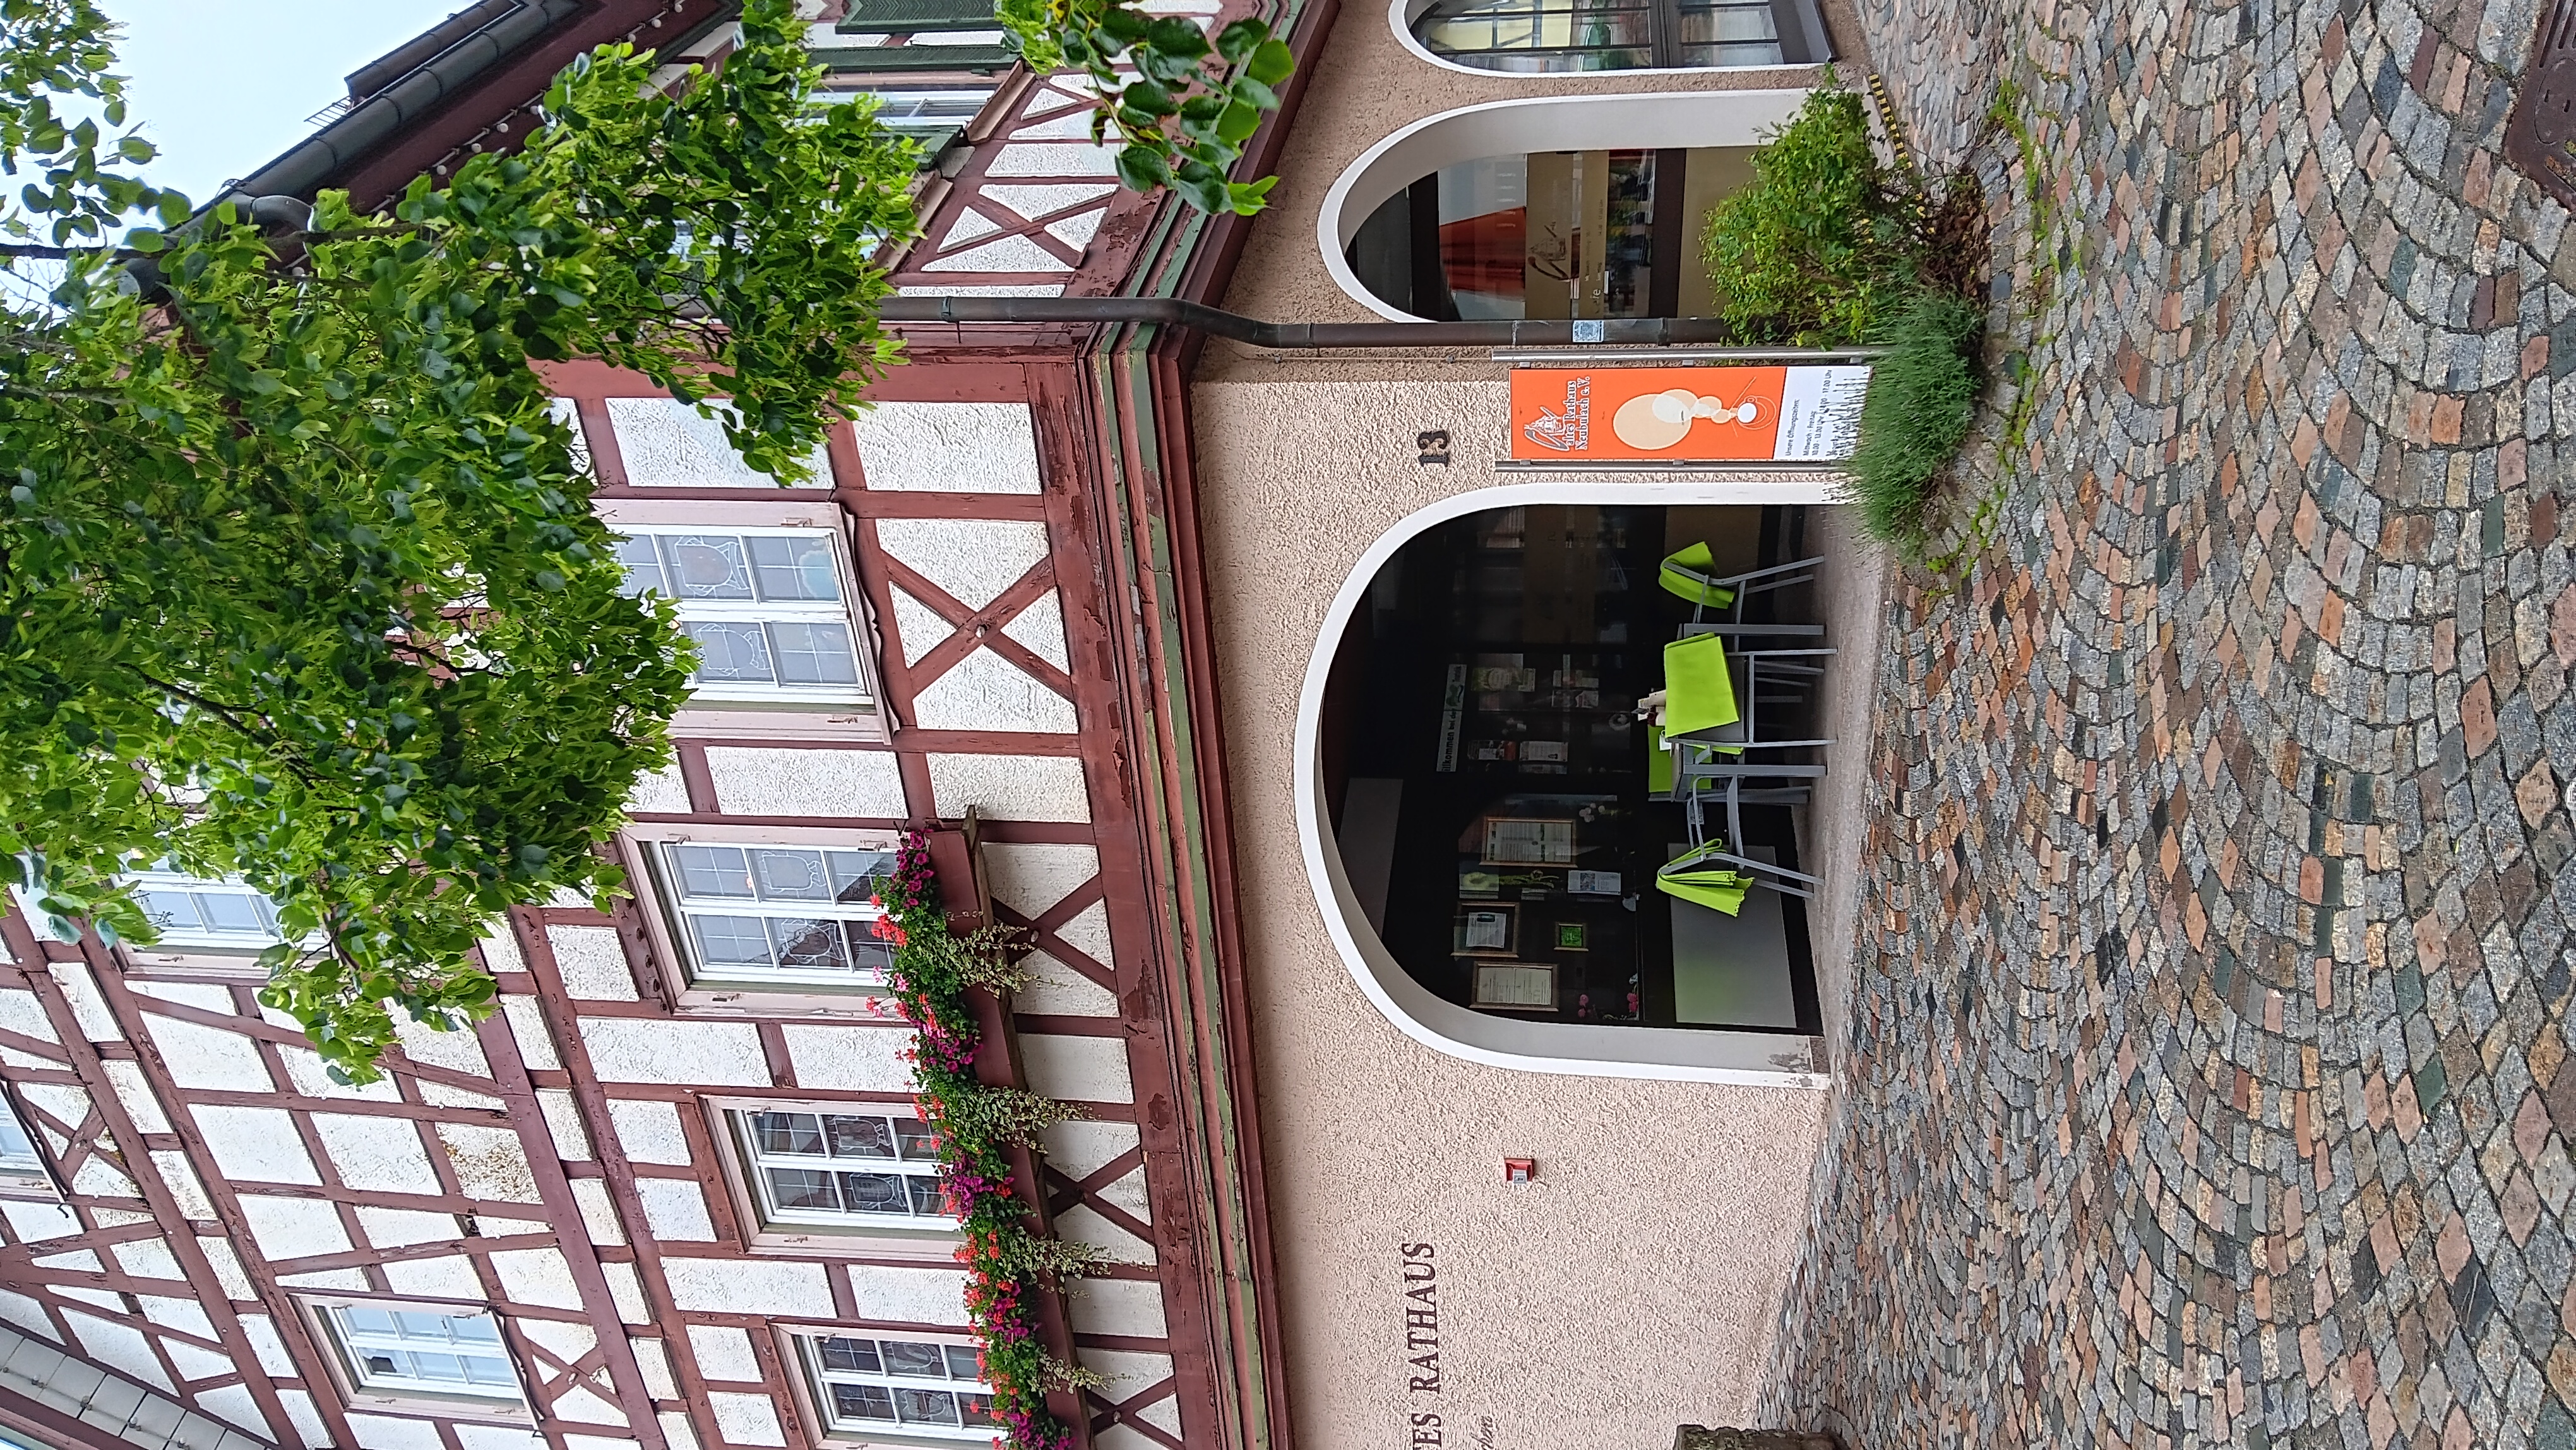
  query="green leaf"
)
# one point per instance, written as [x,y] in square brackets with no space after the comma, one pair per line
[1142,168]
[1240,39]
[1272,61]
[1237,123]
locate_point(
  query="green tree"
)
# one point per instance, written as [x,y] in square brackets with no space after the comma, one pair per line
[299,579]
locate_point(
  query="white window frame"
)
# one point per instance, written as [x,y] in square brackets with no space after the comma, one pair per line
[675,956]
[809,1347]
[365,1388]
[192,941]
[795,714]
[767,613]
[687,910]
[755,1159]
[27,1174]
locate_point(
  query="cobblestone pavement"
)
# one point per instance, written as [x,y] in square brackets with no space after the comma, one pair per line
[2209,1084]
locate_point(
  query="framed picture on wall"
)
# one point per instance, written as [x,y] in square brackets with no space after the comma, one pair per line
[1487,929]
[1513,841]
[1515,986]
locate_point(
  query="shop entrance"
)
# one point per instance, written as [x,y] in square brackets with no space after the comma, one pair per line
[1609,233]
[1499,812]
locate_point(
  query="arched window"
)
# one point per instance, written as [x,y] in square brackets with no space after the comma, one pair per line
[1536,36]
[1476,800]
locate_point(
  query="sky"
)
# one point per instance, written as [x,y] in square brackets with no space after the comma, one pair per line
[221,86]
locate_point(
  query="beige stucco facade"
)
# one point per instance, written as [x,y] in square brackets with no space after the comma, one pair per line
[1635,1284]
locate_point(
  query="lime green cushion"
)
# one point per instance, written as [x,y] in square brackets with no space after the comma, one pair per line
[1696,559]
[1695,878]
[1717,890]
[1659,763]
[1699,694]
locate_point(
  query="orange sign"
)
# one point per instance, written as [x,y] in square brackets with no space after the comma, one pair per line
[1686,415]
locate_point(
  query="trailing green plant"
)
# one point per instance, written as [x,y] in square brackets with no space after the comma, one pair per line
[1010,1266]
[1816,245]
[1179,106]
[1922,397]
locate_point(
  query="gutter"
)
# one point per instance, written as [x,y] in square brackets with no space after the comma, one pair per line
[500,29]
[1703,333]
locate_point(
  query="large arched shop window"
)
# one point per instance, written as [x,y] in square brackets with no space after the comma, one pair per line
[1474,800]
[1561,206]
[1543,36]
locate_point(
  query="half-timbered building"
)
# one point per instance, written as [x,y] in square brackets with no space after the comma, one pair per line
[1088,597]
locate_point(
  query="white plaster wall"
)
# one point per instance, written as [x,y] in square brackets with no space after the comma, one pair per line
[905,1295]
[753,781]
[1079,1069]
[1010,787]
[749,1286]
[856,1059]
[983,691]
[1654,1246]
[973,560]
[948,447]
[666,444]
[706,1054]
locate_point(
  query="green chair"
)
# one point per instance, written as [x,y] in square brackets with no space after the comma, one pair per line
[1689,573]
[1705,876]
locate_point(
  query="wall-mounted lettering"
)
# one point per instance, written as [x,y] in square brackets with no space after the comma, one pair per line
[1421,1330]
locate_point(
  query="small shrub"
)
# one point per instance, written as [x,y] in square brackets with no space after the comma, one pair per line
[1816,246]
[1922,396]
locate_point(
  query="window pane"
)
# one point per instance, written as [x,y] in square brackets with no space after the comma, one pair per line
[784,875]
[705,566]
[927,1407]
[964,1363]
[867,954]
[446,1368]
[712,871]
[859,1137]
[415,1325]
[14,1142]
[863,1402]
[794,567]
[729,651]
[802,1188]
[731,941]
[228,913]
[875,1193]
[926,1197]
[643,565]
[788,1133]
[170,910]
[905,1357]
[809,945]
[484,1370]
[363,1320]
[474,1329]
[976,1407]
[854,1354]
[916,1141]
[814,654]
[854,873]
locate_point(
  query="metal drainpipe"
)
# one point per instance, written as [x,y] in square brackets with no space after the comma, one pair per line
[1707,338]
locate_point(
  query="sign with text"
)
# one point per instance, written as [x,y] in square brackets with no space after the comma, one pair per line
[1806,414]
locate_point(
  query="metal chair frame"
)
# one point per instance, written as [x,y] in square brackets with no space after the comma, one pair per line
[1758,581]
